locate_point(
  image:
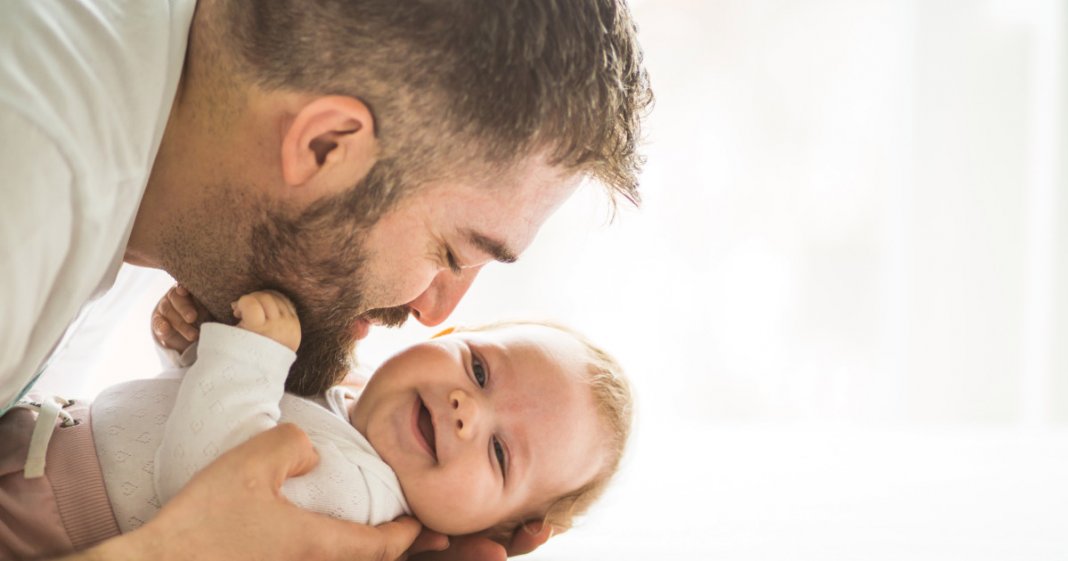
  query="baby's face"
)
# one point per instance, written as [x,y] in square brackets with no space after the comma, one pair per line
[484,427]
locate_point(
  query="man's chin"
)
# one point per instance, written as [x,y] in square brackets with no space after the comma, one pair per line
[325,355]
[321,362]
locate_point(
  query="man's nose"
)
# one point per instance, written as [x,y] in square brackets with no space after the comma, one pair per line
[465,413]
[439,299]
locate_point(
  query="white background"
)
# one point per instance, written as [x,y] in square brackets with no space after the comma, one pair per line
[843,302]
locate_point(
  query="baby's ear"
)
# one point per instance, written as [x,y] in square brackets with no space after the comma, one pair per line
[443,332]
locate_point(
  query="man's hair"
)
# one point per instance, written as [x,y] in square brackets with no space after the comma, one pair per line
[615,411]
[460,83]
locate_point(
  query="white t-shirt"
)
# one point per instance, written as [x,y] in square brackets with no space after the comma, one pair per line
[152,436]
[86,87]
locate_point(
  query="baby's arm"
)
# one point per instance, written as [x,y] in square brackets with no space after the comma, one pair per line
[232,392]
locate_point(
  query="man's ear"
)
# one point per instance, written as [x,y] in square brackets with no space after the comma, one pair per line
[329,145]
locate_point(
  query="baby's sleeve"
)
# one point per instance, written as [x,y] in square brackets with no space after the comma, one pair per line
[229,395]
[170,359]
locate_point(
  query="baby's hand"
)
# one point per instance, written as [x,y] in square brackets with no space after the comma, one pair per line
[177,318]
[270,314]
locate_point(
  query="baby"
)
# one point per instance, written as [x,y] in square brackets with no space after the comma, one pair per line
[473,431]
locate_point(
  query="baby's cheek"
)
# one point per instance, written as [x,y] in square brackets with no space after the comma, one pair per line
[451,503]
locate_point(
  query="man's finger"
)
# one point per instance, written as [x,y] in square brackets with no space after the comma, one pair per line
[466,548]
[349,540]
[529,536]
[275,455]
[397,536]
[429,540]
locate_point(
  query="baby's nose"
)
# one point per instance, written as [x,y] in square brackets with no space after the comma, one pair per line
[465,413]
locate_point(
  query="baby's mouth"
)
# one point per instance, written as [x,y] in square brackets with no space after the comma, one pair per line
[426,429]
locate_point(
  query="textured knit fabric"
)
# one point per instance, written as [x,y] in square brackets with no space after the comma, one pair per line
[64,511]
[85,93]
[153,435]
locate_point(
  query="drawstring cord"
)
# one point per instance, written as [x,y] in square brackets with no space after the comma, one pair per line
[48,411]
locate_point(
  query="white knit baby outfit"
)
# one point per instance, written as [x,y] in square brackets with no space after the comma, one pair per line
[152,436]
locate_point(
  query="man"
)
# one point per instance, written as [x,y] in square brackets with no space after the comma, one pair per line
[366,158]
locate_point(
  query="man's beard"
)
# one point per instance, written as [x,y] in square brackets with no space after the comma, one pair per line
[318,259]
[235,244]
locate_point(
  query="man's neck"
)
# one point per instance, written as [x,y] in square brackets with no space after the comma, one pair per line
[142,248]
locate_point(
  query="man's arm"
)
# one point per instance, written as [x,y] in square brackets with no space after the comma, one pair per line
[233,509]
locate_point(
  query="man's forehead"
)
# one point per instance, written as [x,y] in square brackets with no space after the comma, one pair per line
[500,216]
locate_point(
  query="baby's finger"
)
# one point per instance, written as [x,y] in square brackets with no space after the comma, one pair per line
[166,337]
[249,310]
[202,313]
[183,304]
[285,305]
[271,303]
[166,311]
[176,321]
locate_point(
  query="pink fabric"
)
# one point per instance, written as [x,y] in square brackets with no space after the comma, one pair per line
[67,509]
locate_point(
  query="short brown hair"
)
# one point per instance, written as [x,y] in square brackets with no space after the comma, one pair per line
[615,410]
[464,82]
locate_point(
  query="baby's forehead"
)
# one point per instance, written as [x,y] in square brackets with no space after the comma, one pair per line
[530,337]
[539,346]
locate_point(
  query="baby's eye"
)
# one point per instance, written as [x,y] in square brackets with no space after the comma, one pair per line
[498,451]
[478,370]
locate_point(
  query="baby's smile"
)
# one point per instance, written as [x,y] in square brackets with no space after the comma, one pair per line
[424,428]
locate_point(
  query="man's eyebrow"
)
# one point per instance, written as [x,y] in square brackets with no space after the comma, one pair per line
[494,248]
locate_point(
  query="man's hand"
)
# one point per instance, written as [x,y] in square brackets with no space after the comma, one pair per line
[477,548]
[177,318]
[233,509]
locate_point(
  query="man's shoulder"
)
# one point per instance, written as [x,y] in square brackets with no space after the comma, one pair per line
[98,74]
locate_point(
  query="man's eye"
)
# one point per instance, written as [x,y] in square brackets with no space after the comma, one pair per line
[450,260]
[479,371]
[498,451]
